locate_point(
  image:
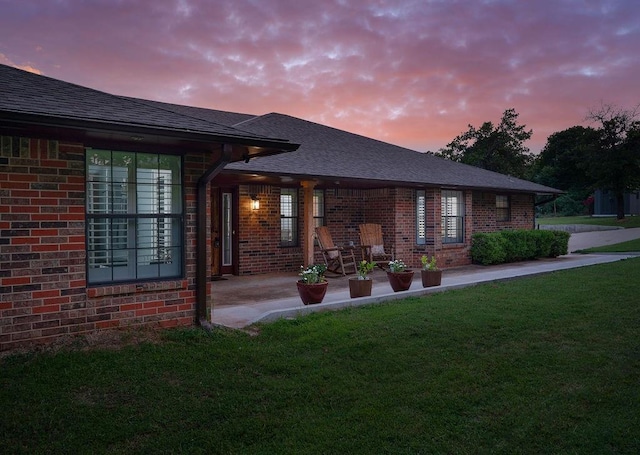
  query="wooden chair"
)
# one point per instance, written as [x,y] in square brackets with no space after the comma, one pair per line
[373,244]
[337,259]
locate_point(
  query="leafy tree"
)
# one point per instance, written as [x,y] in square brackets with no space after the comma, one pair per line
[614,164]
[564,161]
[500,149]
[564,164]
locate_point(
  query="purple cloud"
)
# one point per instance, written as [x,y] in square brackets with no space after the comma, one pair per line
[414,73]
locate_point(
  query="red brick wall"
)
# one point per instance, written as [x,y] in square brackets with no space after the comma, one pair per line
[393,208]
[43,292]
[484,212]
[259,235]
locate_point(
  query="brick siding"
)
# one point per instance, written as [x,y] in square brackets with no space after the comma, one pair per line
[43,289]
[393,208]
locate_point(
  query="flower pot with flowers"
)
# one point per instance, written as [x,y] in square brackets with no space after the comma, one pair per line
[312,285]
[399,276]
[360,286]
[430,273]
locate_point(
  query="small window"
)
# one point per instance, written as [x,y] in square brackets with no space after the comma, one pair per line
[421,217]
[289,217]
[134,216]
[452,217]
[318,208]
[503,208]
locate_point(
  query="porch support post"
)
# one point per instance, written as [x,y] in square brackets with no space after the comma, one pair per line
[203,237]
[307,241]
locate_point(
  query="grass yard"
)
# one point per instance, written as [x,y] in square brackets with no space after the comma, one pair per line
[628,222]
[547,364]
[622,247]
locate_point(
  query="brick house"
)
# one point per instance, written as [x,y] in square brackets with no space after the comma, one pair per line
[118,211]
[104,205]
[339,179]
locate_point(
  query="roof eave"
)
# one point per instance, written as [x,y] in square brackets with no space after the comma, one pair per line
[338,181]
[97,128]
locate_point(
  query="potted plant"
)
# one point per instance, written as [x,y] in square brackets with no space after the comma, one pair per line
[360,286]
[430,273]
[399,276]
[312,286]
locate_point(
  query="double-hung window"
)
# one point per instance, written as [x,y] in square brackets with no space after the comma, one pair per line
[289,217]
[503,208]
[452,216]
[318,208]
[421,217]
[134,216]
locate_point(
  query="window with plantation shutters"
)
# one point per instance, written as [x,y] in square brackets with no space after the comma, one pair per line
[421,217]
[452,216]
[134,216]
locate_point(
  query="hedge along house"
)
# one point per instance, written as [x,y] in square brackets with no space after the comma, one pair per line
[265,211]
[105,208]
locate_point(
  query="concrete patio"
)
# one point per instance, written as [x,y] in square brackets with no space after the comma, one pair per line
[242,301]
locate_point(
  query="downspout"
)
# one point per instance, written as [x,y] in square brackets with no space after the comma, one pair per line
[202,272]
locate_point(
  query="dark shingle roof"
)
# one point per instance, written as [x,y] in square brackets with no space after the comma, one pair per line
[325,152]
[34,96]
[331,153]
[210,115]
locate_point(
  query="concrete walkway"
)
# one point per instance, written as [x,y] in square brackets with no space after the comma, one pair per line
[265,309]
[242,301]
[584,240]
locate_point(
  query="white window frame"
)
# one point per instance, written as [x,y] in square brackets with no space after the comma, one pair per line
[421,217]
[452,206]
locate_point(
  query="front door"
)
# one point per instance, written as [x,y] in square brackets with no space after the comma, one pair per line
[224,228]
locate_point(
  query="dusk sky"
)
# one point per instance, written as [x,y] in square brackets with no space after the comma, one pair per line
[413,73]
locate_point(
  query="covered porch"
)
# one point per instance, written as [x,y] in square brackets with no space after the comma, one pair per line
[245,300]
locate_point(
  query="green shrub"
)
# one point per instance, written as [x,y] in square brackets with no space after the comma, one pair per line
[520,246]
[560,244]
[488,248]
[544,241]
[517,245]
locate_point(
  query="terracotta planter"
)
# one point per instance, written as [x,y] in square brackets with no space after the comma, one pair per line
[431,278]
[360,288]
[312,293]
[400,281]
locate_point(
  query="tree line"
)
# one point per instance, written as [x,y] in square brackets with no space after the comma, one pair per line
[578,160]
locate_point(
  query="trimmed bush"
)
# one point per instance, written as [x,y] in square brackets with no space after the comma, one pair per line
[520,245]
[488,248]
[560,244]
[517,245]
[544,241]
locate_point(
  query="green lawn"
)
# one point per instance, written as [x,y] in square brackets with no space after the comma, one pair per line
[623,247]
[628,222]
[547,364]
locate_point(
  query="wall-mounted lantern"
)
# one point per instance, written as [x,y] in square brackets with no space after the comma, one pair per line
[255,202]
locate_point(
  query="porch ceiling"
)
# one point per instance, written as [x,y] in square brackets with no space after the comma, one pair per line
[231,178]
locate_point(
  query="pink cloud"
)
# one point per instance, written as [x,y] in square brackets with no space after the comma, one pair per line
[414,74]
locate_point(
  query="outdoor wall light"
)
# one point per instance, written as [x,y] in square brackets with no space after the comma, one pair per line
[255,202]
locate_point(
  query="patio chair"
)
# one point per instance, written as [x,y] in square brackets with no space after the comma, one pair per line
[337,259]
[373,245]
